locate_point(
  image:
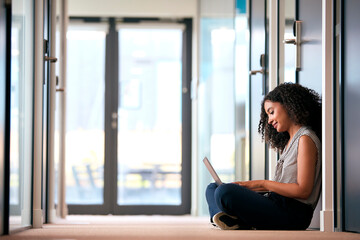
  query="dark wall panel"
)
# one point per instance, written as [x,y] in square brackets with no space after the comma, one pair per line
[351,115]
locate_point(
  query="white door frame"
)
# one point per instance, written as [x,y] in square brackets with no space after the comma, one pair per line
[38,112]
[327,213]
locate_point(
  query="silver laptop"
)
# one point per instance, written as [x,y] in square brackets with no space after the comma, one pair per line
[216,177]
[212,171]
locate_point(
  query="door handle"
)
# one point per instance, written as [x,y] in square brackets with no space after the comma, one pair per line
[297,42]
[51,59]
[254,72]
[290,41]
[261,71]
[262,65]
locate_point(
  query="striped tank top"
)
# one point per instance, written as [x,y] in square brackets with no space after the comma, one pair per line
[286,167]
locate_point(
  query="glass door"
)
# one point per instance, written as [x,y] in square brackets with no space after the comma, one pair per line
[85,97]
[303,67]
[21,113]
[258,86]
[151,126]
[128,132]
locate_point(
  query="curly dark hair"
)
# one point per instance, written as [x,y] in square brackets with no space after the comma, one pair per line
[303,106]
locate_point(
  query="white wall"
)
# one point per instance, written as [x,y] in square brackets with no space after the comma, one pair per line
[216,8]
[133,8]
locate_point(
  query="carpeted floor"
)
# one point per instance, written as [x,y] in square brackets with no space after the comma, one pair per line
[155,228]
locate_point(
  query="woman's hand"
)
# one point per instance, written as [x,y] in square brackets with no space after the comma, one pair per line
[254,185]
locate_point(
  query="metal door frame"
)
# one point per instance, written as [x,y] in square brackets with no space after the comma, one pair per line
[48,127]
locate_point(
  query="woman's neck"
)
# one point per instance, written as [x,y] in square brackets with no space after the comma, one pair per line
[293,130]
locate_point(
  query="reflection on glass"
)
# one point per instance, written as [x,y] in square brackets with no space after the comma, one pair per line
[21,113]
[149,122]
[288,6]
[84,141]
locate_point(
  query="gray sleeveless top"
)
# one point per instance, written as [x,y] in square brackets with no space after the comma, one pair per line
[286,167]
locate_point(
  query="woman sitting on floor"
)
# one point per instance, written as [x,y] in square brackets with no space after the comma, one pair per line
[291,123]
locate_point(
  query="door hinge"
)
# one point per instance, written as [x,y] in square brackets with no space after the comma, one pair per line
[46,46]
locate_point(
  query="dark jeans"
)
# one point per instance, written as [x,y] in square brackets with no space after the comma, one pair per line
[256,210]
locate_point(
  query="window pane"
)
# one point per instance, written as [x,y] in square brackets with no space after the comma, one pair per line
[84,141]
[216,93]
[149,122]
[287,51]
[21,143]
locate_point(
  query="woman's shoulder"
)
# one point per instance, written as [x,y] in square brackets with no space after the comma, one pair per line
[304,130]
[307,131]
